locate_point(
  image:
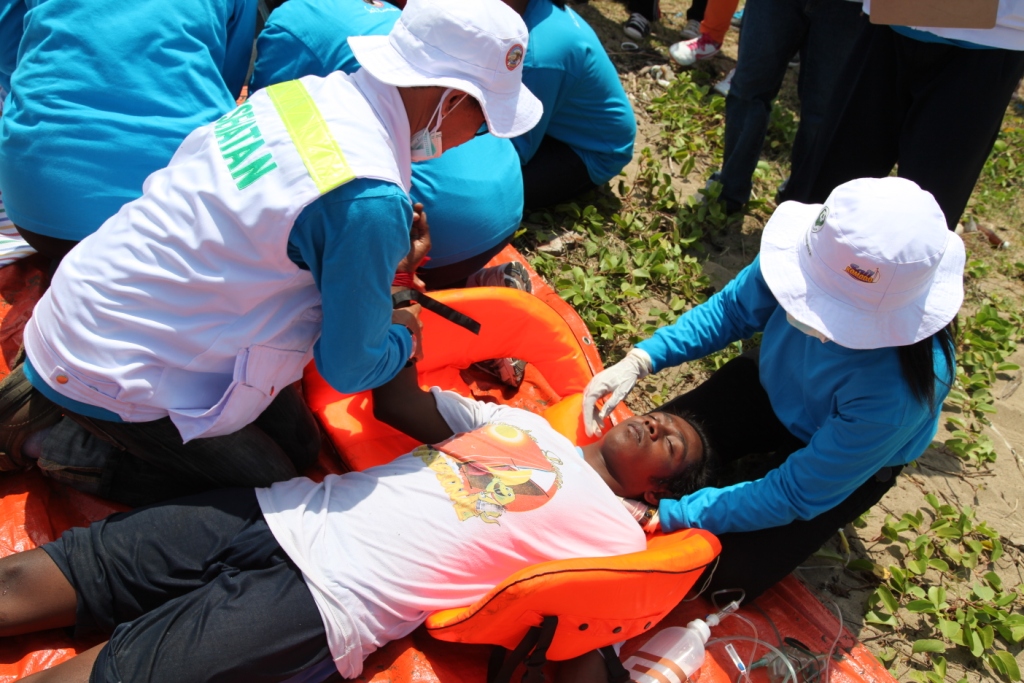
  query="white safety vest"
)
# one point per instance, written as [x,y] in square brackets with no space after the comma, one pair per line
[185,304]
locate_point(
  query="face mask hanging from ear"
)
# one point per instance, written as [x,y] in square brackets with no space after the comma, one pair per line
[426,143]
[807,329]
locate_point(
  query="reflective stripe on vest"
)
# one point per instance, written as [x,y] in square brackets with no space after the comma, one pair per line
[320,153]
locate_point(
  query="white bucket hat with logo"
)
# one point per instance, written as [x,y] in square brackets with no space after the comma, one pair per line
[476,46]
[872,267]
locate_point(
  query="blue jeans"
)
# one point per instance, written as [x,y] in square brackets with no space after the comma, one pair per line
[823,31]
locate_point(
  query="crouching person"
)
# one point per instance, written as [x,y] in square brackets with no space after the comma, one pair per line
[170,337]
[258,585]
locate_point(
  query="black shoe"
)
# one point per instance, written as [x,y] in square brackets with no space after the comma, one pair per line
[23,411]
[637,27]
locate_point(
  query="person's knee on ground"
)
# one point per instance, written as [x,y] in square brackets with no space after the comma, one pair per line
[554,175]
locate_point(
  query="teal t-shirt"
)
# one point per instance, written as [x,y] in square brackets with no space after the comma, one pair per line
[103,93]
[12,17]
[585,106]
[472,194]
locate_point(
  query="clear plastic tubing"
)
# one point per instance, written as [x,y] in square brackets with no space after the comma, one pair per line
[748,639]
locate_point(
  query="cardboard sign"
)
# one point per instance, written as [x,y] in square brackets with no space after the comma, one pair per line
[935,13]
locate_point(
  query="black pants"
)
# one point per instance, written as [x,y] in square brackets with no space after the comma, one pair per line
[53,248]
[454,275]
[934,110]
[697,9]
[554,175]
[649,9]
[193,590]
[738,419]
[137,463]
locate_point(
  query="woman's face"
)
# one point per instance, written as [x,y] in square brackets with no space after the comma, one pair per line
[649,448]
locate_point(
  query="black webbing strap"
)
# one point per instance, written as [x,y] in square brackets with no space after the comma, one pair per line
[435,306]
[534,644]
[616,672]
[535,664]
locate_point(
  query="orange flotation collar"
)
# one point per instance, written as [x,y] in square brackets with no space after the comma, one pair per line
[513,324]
[553,603]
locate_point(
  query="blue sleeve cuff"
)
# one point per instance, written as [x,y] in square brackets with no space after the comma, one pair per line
[404,339]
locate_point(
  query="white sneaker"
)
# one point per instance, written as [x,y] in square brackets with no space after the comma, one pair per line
[689,52]
[691,30]
[722,87]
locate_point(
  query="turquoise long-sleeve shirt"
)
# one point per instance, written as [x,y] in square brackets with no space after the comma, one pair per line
[585,106]
[12,19]
[851,407]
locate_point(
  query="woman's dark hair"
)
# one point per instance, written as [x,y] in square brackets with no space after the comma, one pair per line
[697,475]
[560,4]
[917,363]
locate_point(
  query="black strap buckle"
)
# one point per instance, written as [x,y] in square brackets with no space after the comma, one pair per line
[434,306]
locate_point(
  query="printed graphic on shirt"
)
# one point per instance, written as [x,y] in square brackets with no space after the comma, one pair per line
[493,470]
[238,138]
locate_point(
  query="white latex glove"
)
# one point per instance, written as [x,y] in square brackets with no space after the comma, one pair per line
[618,380]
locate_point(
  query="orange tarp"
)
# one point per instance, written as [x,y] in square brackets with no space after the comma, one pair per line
[34,511]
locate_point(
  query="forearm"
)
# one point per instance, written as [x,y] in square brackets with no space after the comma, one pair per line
[740,309]
[402,404]
[842,455]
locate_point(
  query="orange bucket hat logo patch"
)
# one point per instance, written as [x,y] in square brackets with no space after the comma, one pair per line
[514,57]
[863,274]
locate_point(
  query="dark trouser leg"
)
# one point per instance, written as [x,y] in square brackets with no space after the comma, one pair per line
[834,26]
[696,10]
[648,8]
[960,97]
[754,561]
[933,109]
[144,462]
[196,589]
[554,175]
[772,33]
[53,248]
[859,136]
[454,274]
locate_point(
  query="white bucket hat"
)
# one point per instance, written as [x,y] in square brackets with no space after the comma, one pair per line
[874,266]
[476,46]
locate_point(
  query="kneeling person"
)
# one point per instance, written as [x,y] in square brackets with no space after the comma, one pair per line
[272,238]
[247,585]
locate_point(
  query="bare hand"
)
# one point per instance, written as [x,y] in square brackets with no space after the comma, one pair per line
[410,317]
[419,245]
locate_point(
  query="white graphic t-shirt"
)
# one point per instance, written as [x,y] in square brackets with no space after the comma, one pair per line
[439,527]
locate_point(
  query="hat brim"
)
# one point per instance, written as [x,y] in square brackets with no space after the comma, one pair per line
[508,115]
[847,325]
